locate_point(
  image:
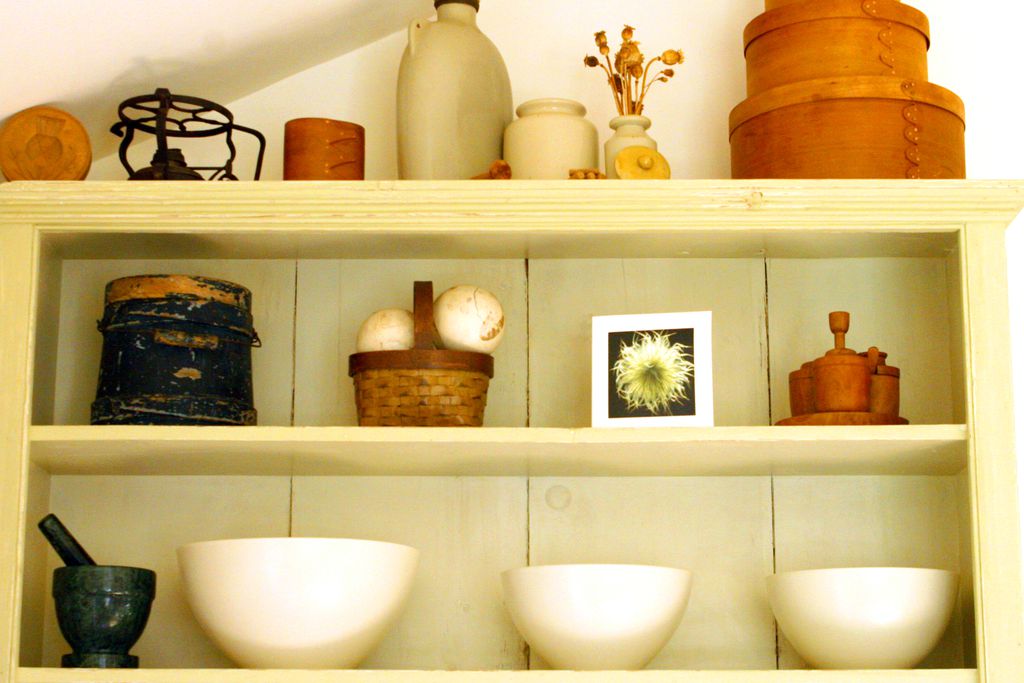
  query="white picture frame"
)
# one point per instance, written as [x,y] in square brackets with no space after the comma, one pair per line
[681,342]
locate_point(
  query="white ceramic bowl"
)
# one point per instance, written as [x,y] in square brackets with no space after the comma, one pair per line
[863,618]
[296,603]
[596,616]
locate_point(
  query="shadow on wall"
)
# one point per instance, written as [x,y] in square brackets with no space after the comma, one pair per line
[221,69]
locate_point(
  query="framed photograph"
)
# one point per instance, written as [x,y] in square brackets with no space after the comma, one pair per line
[652,369]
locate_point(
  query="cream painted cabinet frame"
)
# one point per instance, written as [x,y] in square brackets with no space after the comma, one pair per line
[921,266]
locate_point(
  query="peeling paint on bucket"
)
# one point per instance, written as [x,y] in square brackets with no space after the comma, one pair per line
[177,350]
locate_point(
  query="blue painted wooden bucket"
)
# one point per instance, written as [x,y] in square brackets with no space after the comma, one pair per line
[177,350]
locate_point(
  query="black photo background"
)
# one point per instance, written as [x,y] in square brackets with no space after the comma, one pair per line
[617,406]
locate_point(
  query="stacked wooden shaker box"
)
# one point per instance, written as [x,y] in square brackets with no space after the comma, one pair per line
[839,89]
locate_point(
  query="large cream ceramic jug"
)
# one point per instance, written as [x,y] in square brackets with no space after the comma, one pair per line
[454,97]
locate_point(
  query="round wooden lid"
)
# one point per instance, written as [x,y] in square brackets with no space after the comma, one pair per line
[889,11]
[641,163]
[170,286]
[44,143]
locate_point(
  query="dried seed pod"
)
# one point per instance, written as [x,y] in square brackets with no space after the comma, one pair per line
[671,57]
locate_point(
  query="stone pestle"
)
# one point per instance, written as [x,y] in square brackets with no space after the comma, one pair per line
[69,549]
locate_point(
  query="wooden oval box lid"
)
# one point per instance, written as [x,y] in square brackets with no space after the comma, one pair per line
[796,12]
[856,87]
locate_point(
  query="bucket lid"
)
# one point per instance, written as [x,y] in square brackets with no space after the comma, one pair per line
[813,10]
[178,286]
[846,88]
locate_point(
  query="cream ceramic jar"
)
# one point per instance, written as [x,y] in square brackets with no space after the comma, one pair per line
[454,97]
[549,138]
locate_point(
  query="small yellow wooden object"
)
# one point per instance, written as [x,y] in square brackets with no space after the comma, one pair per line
[642,163]
[586,174]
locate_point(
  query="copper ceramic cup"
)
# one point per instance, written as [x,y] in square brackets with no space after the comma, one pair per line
[323,149]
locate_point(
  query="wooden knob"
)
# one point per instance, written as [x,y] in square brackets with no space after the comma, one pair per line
[839,324]
[641,163]
[874,359]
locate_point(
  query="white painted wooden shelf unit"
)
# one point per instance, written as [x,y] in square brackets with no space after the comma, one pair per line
[919,265]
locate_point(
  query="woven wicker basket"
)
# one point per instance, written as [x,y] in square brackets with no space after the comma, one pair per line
[424,386]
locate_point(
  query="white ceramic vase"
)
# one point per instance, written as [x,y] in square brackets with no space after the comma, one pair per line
[630,131]
[550,137]
[454,97]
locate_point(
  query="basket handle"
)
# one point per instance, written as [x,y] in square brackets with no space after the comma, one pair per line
[426,335]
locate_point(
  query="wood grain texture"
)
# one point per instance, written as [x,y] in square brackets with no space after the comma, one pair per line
[496,451]
[993,461]
[835,38]
[517,220]
[48,299]
[869,522]
[17,274]
[27,675]
[335,297]
[35,590]
[899,305]
[140,521]
[271,282]
[843,418]
[44,143]
[850,127]
[718,528]
[956,296]
[496,220]
[566,294]
[966,598]
[468,531]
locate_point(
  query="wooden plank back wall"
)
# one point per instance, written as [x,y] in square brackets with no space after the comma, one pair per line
[730,531]
[767,314]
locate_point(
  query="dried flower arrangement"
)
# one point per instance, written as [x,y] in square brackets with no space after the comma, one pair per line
[629,78]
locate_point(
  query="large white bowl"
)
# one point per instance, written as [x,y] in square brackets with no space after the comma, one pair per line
[296,603]
[863,618]
[596,616]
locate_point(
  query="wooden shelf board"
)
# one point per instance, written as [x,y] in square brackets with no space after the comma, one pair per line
[42,675]
[500,451]
[659,239]
[511,219]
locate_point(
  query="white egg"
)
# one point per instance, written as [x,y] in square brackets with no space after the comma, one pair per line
[388,330]
[469,319]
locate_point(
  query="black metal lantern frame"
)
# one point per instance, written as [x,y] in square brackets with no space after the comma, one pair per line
[179,116]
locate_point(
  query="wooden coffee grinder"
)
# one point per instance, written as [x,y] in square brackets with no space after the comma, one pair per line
[844,387]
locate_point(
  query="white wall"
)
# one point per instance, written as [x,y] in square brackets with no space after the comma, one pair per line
[86,56]
[543,43]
